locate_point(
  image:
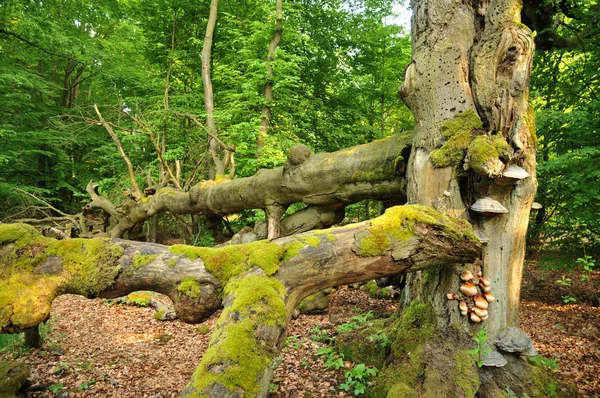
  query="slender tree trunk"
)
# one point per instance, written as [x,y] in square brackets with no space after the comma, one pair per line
[217,165]
[265,116]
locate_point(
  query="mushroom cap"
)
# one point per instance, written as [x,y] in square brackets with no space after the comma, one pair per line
[468,289]
[516,172]
[536,206]
[489,297]
[463,306]
[488,206]
[511,175]
[480,301]
[466,275]
[480,312]
[475,318]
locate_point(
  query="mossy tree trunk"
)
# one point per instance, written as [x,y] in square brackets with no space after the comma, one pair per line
[467,86]
[261,282]
[325,182]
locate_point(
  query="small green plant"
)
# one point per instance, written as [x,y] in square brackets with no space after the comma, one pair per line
[356,321]
[332,359]
[564,281]
[203,239]
[559,326]
[56,387]
[203,329]
[13,345]
[357,378]
[481,351]
[588,264]
[539,360]
[381,339]
[87,384]
[320,335]
[569,299]
[61,368]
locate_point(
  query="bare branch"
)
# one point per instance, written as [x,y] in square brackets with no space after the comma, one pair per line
[114,137]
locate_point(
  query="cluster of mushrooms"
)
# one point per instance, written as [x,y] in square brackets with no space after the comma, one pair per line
[476,296]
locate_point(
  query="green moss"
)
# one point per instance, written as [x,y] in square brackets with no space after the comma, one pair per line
[25,298]
[312,241]
[415,326]
[230,261]
[399,378]
[292,249]
[12,377]
[330,237]
[257,302]
[530,120]
[190,287]
[173,262]
[484,149]
[401,390]
[398,224]
[463,121]
[158,315]
[140,260]
[465,374]
[453,151]
[91,264]
[457,132]
[375,291]
[27,251]
[141,298]
[203,329]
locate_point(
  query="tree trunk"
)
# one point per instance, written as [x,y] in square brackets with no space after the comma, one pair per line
[265,116]
[217,166]
[262,282]
[329,179]
[467,86]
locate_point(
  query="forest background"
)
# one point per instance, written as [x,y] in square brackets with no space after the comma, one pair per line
[334,78]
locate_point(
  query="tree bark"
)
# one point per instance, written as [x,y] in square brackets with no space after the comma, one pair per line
[262,282]
[265,116]
[366,171]
[209,105]
[471,61]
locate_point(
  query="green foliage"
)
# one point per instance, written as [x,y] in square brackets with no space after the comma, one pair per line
[482,350]
[588,264]
[320,335]
[381,339]
[357,378]
[540,361]
[564,94]
[333,360]
[355,322]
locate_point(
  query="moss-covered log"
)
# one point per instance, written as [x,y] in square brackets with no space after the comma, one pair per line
[369,171]
[259,283]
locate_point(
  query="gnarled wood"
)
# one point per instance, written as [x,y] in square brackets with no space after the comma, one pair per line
[371,171]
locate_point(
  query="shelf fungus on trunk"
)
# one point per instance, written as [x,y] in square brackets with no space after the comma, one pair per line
[512,175]
[488,207]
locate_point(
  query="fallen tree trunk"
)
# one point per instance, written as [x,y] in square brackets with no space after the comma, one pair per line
[369,171]
[262,282]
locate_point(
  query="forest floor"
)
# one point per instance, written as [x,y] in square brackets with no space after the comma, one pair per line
[94,349]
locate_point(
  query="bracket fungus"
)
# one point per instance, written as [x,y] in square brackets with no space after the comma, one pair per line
[488,207]
[536,206]
[512,175]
